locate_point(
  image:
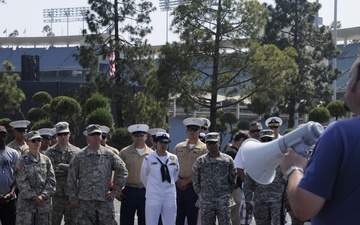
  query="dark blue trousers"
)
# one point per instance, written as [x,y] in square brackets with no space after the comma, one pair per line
[135,201]
[185,201]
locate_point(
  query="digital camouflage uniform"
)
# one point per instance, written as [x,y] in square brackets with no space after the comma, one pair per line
[267,199]
[214,179]
[89,179]
[61,204]
[34,176]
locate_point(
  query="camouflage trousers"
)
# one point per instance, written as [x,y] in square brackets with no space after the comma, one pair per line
[208,216]
[96,212]
[28,218]
[266,213]
[62,207]
[294,220]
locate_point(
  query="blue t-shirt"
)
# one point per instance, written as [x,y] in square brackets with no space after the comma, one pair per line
[8,158]
[334,173]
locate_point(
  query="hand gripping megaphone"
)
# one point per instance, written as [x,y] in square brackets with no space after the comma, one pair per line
[261,159]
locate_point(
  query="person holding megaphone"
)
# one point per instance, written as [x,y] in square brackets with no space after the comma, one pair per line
[328,192]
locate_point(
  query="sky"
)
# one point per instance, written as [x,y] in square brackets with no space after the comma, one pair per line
[27,17]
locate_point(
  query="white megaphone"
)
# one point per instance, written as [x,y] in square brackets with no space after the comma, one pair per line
[261,159]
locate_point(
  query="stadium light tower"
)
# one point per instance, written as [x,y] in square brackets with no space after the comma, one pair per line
[167,5]
[67,15]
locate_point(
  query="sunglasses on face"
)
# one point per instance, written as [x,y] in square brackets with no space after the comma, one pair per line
[21,130]
[36,140]
[192,129]
[95,134]
[138,135]
[104,136]
[62,134]
[255,131]
[273,127]
[163,142]
[211,142]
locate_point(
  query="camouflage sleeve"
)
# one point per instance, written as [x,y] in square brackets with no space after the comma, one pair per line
[249,188]
[22,182]
[72,179]
[120,174]
[196,177]
[232,175]
[50,185]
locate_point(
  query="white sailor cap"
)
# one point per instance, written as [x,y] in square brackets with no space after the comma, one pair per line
[191,121]
[20,124]
[162,136]
[207,123]
[104,129]
[273,121]
[138,128]
[153,131]
[46,132]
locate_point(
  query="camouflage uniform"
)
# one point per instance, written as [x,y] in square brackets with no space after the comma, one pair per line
[34,176]
[20,149]
[214,179]
[267,199]
[88,181]
[60,160]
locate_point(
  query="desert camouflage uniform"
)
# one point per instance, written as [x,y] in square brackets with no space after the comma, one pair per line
[267,199]
[20,149]
[34,176]
[214,179]
[89,179]
[60,160]
[114,150]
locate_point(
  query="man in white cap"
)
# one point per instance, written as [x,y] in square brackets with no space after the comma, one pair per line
[104,137]
[274,124]
[159,172]
[20,129]
[90,174]
[187,152]
[206,125]
[46,134]
[153,132]
[134,191]
[61,155]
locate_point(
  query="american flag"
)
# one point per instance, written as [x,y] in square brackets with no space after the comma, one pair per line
[112,64]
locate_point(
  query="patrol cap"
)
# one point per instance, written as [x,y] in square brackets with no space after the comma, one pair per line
[138,128]
[62,127]
[46,132]
[267,133]
[207,123]
[32,135]
[213,136]
[3,129]
[93,128]
[153,131]
[162,136]
[273,121]
[193,122]
[20,124]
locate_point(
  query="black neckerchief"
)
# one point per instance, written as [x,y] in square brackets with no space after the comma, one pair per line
[165,175]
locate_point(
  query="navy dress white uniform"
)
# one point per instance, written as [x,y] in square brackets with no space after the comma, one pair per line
[159,172]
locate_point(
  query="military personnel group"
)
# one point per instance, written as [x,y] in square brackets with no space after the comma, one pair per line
[47,180]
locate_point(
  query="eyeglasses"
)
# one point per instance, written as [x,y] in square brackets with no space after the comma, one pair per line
[211,142]
[95,134]
[273,127]
[192,129]
[255,131]
[21,130]
[139,135]
[62,134]
[36,140]
[163,142]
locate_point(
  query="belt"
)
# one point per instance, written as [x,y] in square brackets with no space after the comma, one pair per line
[134,185]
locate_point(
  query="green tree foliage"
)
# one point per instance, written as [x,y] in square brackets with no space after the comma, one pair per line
[10,95]
[219,53]
[319,114]
[337,109]
[291,24]
[288,130]
[242,125]
[121,138]
[68,109]
[41,98]
[6,123]
[100,116]
[43,123]
[97,100]
[136,54]
[15,33]
[47,29]
[46,107]
[36,114]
